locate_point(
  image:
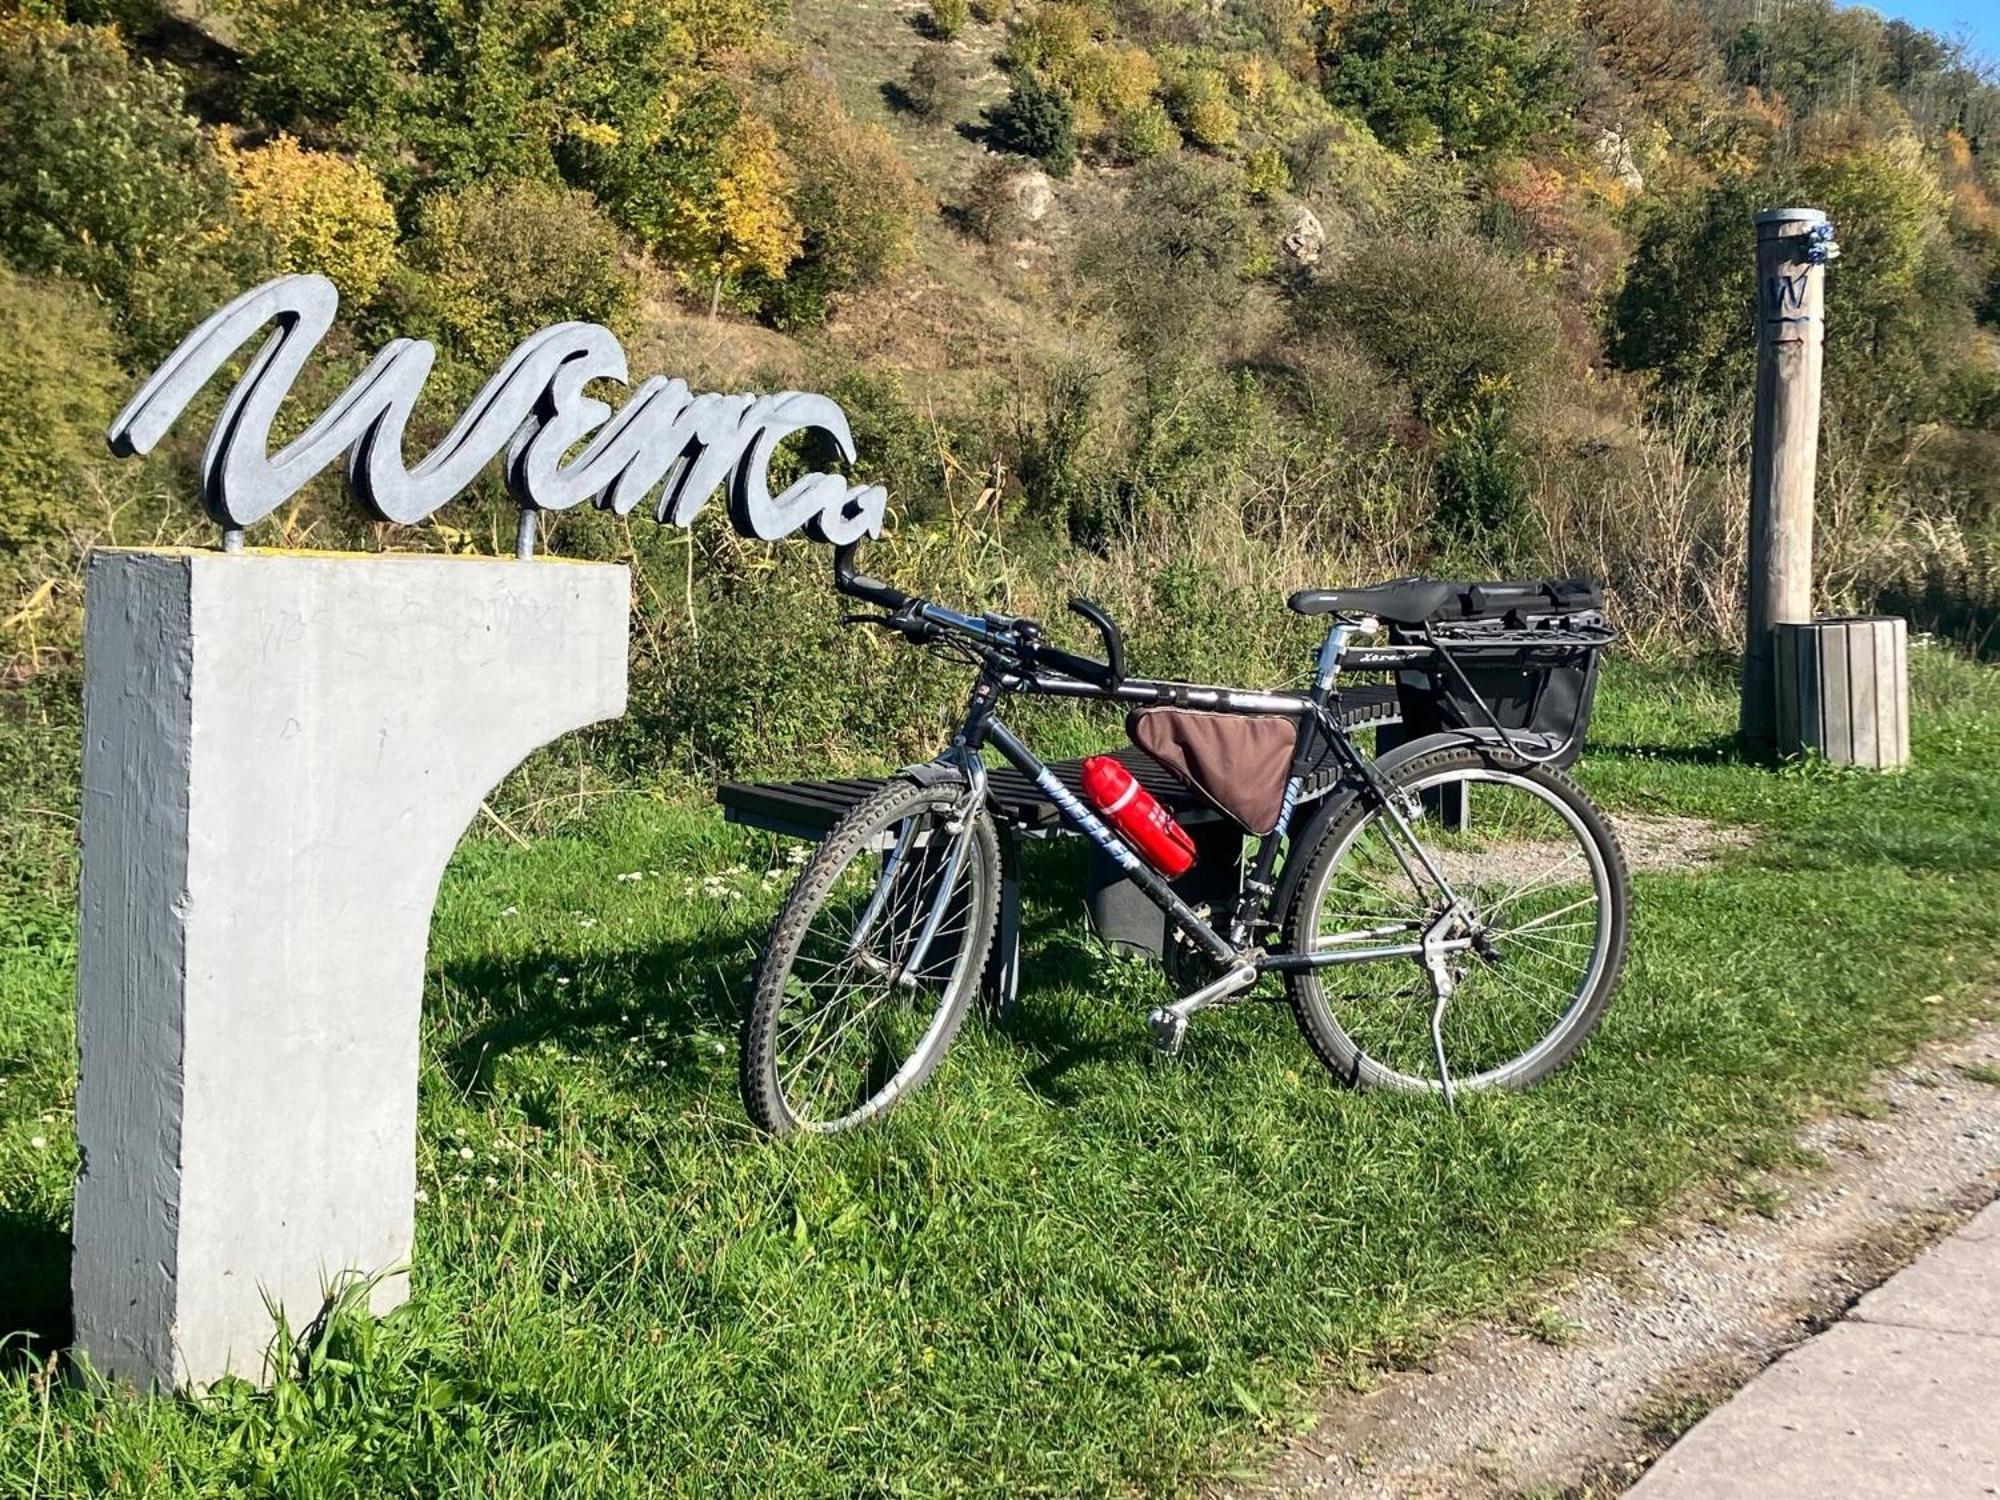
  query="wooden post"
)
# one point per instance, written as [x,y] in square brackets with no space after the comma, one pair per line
[1784,449]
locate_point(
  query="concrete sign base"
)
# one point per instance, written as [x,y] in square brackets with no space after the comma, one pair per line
[281,752]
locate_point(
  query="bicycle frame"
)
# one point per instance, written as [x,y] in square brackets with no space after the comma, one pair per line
[1230,946]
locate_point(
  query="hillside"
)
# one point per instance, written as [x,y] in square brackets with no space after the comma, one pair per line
[1186,302]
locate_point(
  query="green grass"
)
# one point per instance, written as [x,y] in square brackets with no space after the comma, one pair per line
[1061,1269]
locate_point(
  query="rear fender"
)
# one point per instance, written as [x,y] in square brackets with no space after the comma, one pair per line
[1332,807]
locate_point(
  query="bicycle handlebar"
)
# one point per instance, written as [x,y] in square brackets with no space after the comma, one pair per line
[1020,639]
[855,586]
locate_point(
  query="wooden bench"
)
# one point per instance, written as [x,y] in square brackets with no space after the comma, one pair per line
[1122,914]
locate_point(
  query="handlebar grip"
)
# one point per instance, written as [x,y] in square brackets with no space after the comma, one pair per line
[1071,664]
[1114,640]
[855,586]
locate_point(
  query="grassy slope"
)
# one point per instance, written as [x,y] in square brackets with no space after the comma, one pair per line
[1060,1269]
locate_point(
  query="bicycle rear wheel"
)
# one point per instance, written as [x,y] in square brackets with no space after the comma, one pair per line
[871,961]
[1541,871]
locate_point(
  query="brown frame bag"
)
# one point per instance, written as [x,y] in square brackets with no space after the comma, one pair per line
[1237,761]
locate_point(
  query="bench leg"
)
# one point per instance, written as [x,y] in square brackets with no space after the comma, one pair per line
[1001,982]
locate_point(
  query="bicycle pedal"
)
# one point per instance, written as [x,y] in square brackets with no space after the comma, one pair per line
[1169,1029]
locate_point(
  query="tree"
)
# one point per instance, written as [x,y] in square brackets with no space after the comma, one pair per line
[1899,324]
[1688,308]
[1038,120]
[1463,74]
[707,186]
[855,199]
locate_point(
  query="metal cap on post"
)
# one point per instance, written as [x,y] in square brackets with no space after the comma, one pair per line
[1793,246]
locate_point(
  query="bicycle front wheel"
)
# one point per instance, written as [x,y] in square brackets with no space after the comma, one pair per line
[872,960]
[1540,872]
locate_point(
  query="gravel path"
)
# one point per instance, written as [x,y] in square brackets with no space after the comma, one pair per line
[1621,1362]
[1630,1357]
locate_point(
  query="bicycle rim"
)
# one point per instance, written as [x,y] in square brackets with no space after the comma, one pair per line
[868,995]
[1541,889]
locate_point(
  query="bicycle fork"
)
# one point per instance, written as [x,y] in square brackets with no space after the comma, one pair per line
[959,827]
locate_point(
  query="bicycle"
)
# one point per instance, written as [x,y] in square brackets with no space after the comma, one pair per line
[1509,913]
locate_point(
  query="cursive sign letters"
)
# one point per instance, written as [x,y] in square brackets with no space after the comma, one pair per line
[665,442]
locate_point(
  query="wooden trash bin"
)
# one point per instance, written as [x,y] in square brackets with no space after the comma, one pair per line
[1843,689]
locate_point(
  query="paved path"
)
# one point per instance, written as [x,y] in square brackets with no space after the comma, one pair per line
[1901,1401]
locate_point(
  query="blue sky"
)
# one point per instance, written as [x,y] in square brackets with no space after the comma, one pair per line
[1979,17]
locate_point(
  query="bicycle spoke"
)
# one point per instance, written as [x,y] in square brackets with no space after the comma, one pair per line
[1531,881]
[852,1023]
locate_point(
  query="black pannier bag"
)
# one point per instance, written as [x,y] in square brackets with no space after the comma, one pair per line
[1528,649]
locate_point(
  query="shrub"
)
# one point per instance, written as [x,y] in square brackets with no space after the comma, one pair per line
[991,206]
[1448,316]
[105,178]
[1126,80]
[1173,254]
[1037,120]
[1147,132]
[1054,39]
[322,212]
[1458,73]
[986,12]
[947,18]
[1482,478]
[1265,173]
[1200,104]
[496,263]
[934,87]
[59,386]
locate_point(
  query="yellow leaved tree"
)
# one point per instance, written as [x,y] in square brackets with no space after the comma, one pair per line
[321,211]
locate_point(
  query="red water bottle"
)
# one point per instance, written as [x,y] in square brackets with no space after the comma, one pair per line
[1135,813]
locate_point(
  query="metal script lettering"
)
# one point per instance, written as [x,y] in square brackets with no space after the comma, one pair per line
[665,442]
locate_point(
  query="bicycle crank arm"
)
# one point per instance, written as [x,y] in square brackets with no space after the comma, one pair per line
[1169,1023]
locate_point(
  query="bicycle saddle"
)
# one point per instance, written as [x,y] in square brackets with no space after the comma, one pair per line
[1401,601]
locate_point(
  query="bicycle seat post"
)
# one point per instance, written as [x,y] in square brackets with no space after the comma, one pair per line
[1343,630]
